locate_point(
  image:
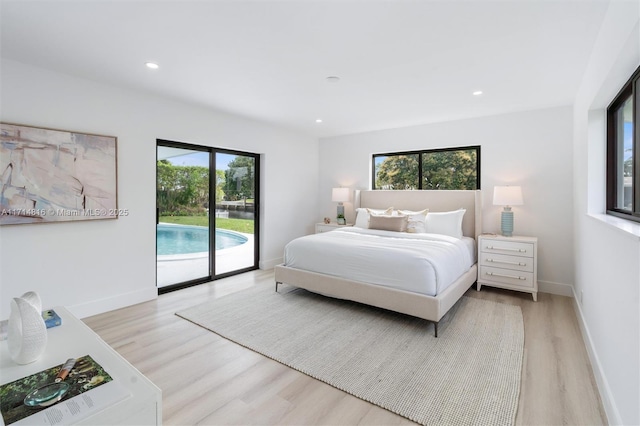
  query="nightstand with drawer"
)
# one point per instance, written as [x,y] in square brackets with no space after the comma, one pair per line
[508,262]
[326,227]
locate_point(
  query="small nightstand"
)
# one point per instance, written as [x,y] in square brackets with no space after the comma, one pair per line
[508,262]
[326,227]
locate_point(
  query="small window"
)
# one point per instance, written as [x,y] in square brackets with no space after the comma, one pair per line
[449,168]
[623,142]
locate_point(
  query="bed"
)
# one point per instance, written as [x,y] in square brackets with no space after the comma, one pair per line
[340,263]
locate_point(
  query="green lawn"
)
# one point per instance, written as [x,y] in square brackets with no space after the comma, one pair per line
[239,225]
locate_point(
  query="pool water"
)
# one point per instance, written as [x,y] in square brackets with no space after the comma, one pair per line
[184,239]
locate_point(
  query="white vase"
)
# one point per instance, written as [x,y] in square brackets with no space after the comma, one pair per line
[27,337]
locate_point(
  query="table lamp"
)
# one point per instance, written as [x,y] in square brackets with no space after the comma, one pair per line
[340,195]
[507,196]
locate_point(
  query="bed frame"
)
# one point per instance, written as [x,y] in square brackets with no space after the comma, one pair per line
[431,308]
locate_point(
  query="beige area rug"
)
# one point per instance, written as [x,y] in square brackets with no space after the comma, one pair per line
[470,374]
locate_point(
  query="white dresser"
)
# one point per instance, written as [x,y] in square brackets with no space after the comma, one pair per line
[142,404]
[508,262]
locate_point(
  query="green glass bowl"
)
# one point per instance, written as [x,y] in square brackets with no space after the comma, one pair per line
[46,395]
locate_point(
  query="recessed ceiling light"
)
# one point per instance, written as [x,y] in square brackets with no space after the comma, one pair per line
[319,120]
[333,79]
[152,65]
[477,93]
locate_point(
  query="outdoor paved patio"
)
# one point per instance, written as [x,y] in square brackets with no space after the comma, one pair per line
[175,269]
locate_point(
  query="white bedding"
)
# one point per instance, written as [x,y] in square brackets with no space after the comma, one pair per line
[421,263]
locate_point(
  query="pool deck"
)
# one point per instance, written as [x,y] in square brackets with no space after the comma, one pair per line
[179,268]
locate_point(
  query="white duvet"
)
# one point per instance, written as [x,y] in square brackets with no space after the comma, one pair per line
[421,263]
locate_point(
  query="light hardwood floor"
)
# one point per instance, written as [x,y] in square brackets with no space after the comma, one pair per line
[206,379]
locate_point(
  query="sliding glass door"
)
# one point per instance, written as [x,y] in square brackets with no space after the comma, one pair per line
[235,212]
[201,189]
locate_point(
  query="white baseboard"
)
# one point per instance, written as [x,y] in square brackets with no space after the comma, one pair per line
[269,264]
[608,402]
[555,288]
[96,307]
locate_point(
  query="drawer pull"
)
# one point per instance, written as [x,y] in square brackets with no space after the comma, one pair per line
[493,274]
[507,262]
[506,249]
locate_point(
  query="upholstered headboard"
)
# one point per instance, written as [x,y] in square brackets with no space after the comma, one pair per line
[435,201]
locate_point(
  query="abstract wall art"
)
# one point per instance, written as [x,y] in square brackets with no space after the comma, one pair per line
[56,176]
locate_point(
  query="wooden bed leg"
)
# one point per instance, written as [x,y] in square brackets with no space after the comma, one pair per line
[435,327]
[277,286]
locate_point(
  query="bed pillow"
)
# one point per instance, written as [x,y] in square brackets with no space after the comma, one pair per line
[397,223]
[362,216]
[446,223]
[415,220]
[387,212]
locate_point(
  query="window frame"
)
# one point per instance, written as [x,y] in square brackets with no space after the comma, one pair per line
[213,152]
[631,89]
[419,153]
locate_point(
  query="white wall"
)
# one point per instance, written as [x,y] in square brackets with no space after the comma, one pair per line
[95,266]
[607,256]
[532,149]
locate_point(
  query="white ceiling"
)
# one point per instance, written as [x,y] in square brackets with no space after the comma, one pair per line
[400,62]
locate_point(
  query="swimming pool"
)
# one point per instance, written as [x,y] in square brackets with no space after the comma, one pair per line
[185,239]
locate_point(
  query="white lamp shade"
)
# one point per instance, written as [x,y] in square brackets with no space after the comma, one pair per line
[340,194]
[507,196]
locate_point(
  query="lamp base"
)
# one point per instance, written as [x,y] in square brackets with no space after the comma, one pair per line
[506,222]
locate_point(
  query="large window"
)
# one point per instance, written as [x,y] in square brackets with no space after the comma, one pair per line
[449,168]
[623,152]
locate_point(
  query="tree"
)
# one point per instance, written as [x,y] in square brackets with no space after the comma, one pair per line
[182,188]
[450,169]
[239,179]
[398,172]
